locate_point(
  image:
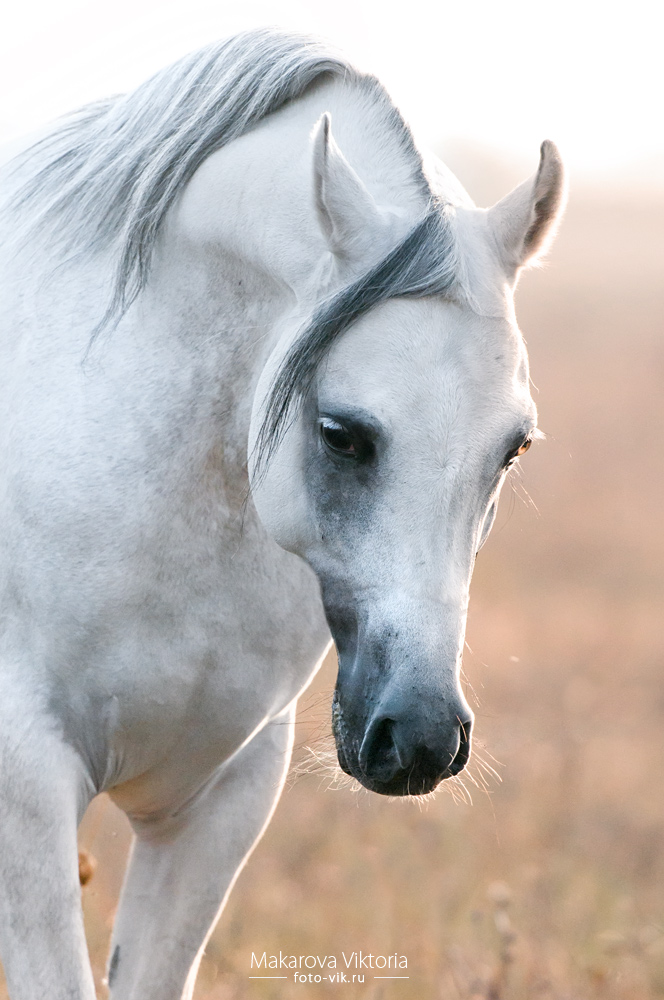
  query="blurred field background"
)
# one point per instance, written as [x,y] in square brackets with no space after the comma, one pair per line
[550,885]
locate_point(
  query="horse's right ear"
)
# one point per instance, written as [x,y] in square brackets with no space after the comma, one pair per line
[347,212]
[524,223]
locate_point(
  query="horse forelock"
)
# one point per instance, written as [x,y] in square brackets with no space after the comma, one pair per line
[106,176]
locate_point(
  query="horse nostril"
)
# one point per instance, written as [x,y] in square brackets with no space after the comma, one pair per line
[462,755]
[379,755]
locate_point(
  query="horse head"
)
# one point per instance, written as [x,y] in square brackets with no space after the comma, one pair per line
[381,438]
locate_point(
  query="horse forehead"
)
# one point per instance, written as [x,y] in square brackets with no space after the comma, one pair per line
[431,352]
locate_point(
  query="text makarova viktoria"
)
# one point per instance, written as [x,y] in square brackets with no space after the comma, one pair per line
[353,960]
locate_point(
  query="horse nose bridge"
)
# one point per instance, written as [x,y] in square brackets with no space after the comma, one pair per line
[433,554]
[420,633]
[433,573]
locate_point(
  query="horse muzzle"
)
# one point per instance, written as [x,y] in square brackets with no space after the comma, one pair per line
[401,752]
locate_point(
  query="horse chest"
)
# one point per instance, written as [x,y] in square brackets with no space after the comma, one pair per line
[193,662]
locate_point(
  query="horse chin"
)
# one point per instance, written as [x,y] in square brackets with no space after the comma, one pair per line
[400,789]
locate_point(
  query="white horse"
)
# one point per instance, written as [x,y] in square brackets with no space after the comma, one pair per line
[258,384]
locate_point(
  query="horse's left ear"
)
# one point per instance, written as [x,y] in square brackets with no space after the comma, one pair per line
[525,221]
[348,214]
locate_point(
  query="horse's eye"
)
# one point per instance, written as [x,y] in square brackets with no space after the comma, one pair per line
[337,437]
[524,447]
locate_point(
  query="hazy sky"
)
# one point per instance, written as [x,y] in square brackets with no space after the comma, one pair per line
[506,74]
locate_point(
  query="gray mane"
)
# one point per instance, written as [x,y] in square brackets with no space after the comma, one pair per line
[108,174]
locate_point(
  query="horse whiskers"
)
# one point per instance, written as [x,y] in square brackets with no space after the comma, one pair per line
[458,791]
[520,491]
[313,701]
[481,752]
[320,759]
[466,679]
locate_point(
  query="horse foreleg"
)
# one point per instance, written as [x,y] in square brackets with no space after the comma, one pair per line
[42,793]
[183,868]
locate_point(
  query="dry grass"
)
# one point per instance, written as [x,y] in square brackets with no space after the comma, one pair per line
[549,886]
